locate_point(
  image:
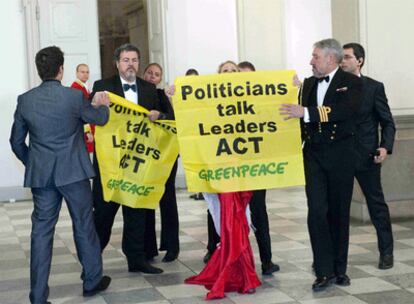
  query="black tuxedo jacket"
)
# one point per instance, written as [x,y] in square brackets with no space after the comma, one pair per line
[165,105]
[374,113]
[147,92]
[334,120]
[147,98]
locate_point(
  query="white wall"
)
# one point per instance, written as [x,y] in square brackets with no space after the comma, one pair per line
[200,35]
[345,20]
[387,35]
[306,22]
[261,33]
[13,81]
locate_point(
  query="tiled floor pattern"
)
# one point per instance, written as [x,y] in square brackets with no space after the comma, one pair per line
[291,250]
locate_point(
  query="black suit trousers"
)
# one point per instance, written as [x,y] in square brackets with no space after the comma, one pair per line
[370,183]
[329,173]
[260,221]
[133,236]
[213,237]
[169,220]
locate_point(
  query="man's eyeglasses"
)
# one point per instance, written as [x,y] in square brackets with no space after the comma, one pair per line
[347,57]
[127,60]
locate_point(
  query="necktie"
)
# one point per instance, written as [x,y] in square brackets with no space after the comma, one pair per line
[126,87]
[326,78]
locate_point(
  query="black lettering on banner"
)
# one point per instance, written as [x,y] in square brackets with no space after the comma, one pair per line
[115,144]
[127,159]
[120,109]
[282,90]
[199,94]
[223,146]
[239,108]
[134,146]
[186,90]
[123,163]
[138,161]
[201,129]
[138,128]
[257,90]
[237,91]
[166,126]
[239,145]
[236,147]
[226,90]
[255,141]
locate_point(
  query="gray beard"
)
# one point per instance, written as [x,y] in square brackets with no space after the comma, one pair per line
[131,78]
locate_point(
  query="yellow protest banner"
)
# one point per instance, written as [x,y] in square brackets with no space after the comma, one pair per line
[231,135]
[135,155]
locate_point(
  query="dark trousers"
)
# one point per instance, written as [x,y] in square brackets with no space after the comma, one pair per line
[47,204]
[213,237]
[133,235]
[370,182]
[329,173]
[169,220]
[260,221]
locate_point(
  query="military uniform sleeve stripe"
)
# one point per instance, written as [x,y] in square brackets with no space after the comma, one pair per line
[327,110]
[322,114]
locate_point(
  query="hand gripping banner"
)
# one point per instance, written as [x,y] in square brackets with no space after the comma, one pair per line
[135,155]
[231,135]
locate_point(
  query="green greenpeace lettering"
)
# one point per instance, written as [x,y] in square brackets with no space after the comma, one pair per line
[126,186]
[243,171]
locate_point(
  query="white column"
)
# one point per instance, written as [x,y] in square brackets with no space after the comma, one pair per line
[306,22]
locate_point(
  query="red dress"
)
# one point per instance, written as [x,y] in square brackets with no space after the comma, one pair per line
[231,268]
[78,86]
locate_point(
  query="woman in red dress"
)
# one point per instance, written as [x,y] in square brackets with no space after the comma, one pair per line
[231,268]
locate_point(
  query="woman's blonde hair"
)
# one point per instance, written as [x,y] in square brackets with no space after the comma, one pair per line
[226,62]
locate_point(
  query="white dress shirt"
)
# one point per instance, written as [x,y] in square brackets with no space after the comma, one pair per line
[320,95]
[130,95]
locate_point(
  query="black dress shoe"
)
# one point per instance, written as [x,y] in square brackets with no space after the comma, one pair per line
[321,283]
[268,268]
[343,280]
[145,267]
[102,285]
[207,257]
[170,256]
[386,261]
[199,197]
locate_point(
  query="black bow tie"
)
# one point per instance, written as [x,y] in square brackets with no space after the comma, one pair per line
[326,78]
[126,87]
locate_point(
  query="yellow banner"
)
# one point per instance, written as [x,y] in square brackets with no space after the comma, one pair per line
[231,135]
[135,155]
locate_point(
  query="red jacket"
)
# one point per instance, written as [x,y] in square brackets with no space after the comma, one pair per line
[77,85]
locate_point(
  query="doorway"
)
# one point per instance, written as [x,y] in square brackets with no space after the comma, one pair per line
[122,21]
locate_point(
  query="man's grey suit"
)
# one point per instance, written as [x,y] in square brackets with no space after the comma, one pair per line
[57,166]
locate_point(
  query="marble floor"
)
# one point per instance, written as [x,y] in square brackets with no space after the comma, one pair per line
[291,250]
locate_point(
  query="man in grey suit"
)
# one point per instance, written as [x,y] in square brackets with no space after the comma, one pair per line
[58,166]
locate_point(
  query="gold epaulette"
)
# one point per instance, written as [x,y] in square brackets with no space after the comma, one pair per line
[324,113]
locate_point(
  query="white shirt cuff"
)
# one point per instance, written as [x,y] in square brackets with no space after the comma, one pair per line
[306,117]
